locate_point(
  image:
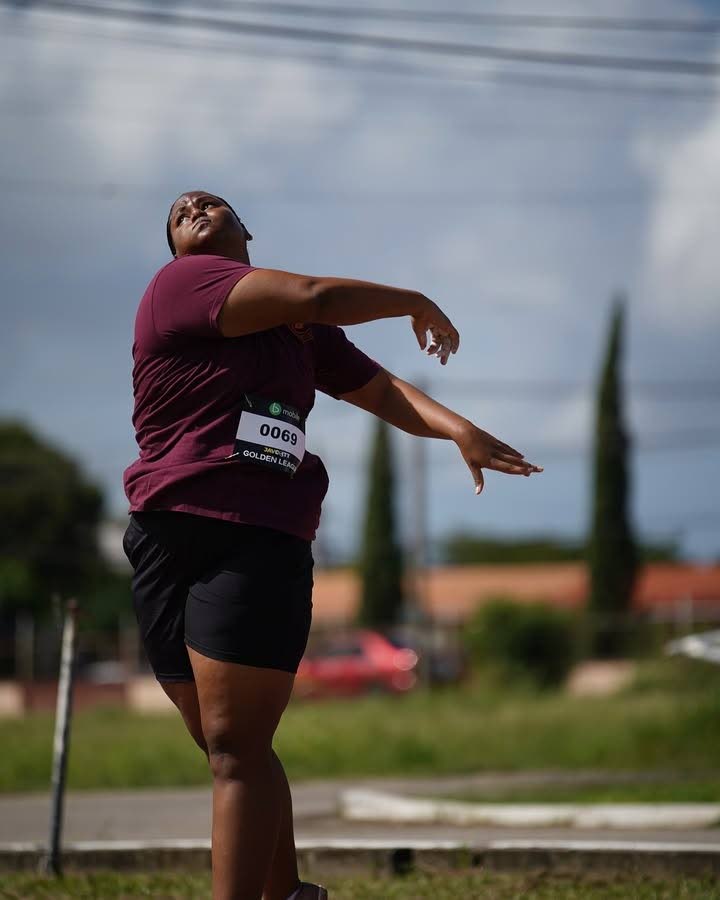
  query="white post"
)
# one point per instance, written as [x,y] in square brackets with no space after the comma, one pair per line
[62,737]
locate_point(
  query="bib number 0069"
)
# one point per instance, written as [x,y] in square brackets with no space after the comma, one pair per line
[270,434]
[277,433]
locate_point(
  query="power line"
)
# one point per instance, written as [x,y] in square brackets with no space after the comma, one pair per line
[670,391]
[673,441]
[492,132]
[680,441]
[141,113]
[705,517]
[584,85]
[540,454]
[437,75]
[677,441]
[702,26]
[290,196]
[384,42]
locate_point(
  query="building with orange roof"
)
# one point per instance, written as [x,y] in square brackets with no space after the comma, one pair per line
[451,593]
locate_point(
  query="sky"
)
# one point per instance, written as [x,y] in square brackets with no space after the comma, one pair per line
[520,205]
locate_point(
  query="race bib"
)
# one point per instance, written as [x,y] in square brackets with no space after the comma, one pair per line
[270,434]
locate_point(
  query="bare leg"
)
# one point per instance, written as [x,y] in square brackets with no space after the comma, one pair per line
[240,707]
[184,695]
[283,870]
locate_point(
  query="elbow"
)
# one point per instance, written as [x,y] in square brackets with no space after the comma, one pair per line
[316,300]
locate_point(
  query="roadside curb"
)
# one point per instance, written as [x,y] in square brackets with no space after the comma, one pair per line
[377,806]
[394,856]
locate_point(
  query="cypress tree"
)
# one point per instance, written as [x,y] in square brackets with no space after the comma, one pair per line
[612,555]
[381,557]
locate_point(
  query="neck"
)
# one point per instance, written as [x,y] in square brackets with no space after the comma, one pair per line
[234,250]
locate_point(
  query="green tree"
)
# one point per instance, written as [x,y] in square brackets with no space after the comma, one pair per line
[529,640]
[462,548]
[612,554]
[49,516]
[468,548]
[381,558]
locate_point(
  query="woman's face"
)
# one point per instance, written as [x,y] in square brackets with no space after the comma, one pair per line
[201,222]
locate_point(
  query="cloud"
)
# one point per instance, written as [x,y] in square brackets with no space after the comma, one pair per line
[137,108]
[448,188]
[680,272]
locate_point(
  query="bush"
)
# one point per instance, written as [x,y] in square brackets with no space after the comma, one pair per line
[532,641]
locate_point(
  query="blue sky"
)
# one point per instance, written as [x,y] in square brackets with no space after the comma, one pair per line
[519,208]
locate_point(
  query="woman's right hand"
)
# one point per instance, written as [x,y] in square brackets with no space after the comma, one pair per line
[481,450]
[444,336]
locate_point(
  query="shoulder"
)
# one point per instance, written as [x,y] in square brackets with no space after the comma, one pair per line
[198,268]
[190,277]
[165,276]
[185,297]
[154,280]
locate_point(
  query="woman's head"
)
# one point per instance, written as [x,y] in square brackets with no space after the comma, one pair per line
[200,222]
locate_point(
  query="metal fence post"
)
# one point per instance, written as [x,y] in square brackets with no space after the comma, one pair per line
[61,740]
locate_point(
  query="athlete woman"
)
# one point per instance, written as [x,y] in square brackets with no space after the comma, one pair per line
[225,501]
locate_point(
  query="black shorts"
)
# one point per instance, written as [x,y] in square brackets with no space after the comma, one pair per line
[238,593]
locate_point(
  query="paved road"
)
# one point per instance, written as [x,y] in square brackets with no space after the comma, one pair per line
[175,813]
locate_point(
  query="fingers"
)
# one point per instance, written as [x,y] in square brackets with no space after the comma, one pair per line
[516,467]
[420,333]
[443,344]
[502,465]
[515,459]
[506,448]
[496,444]
[479,480]
[440,347]
[448,335]
[445,337]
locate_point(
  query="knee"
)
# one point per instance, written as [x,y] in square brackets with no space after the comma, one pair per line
[234,758]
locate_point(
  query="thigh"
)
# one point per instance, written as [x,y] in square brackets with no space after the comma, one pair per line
[184,696]
[157,546]
[240,706]
[255,607]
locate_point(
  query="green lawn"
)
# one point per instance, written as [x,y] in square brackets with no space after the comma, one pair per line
[460,885]
[680,790]
[669,720]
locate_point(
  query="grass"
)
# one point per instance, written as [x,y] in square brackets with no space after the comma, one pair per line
[681,790]
[668,720]
[457,885]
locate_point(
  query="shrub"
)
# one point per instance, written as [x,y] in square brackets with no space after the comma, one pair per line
[532,641]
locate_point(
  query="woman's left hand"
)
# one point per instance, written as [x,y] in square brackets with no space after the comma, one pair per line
[481,450]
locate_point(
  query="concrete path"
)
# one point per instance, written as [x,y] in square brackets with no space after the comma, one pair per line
[185,813]
[363,805]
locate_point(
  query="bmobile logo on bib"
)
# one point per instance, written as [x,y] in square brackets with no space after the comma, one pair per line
[276,443]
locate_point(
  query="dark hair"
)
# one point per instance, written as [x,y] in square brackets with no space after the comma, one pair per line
[170,241]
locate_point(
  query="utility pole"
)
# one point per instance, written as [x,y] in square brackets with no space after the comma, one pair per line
[418,616]
[61,742]
[419,533]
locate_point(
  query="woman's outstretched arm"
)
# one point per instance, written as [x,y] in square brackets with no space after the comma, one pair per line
[266,298]
[410,409]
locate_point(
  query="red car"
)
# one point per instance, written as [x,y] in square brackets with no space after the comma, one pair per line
[357,662]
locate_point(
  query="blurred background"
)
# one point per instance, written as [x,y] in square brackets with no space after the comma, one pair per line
[549,176]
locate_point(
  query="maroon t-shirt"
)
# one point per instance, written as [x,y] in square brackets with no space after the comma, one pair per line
[190,385]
